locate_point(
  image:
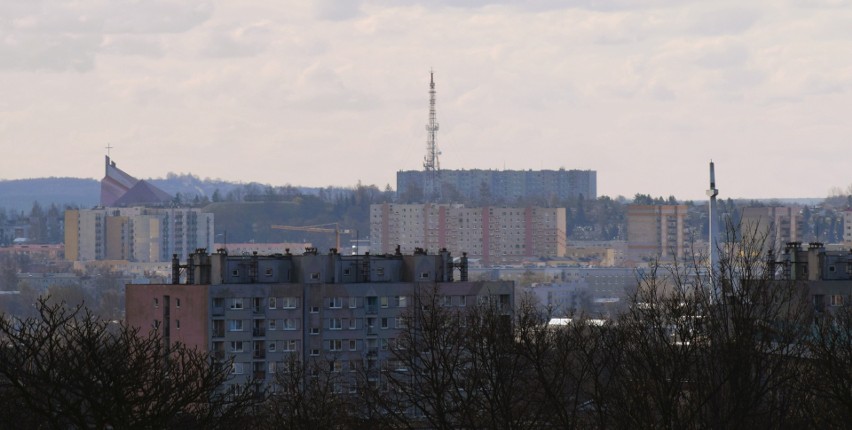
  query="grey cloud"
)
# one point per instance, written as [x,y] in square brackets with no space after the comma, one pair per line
[729,21]
[548,5]
[155,16]
[239,42]
[48,52]
[721,57]
[113,16]
[59,36]
[136,45]
[337,10]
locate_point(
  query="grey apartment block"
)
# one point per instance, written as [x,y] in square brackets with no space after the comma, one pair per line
[343,311]
[504,185]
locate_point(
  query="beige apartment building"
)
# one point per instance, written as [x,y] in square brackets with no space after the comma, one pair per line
[495,235]
[656,231]
[778,225]
[136,234]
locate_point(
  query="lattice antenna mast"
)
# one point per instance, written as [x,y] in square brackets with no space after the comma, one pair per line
[431,163]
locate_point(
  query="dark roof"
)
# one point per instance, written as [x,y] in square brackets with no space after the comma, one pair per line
[143,193]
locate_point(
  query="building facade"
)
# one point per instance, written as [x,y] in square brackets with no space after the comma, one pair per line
[774,225]
[501,185]
[827,274]
[656,231]
[495,235]
[262,312]
[136,234]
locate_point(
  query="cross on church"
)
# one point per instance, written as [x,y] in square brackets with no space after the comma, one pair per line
[108,147]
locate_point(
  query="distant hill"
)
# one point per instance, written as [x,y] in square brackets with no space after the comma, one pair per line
[19,194]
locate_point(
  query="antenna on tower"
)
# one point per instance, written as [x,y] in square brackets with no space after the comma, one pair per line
[431,164]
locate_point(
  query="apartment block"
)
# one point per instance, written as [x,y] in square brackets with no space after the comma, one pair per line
[493,234]
[504,185]
[826,274]
[656,231]
[777,225]
[137,234]
[262,312]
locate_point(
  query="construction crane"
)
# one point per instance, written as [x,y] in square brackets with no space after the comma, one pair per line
[319,228]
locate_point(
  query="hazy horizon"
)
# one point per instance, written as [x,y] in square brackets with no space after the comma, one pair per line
[323,93]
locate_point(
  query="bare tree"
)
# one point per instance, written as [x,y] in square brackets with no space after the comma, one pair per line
[309,395]
[67,368]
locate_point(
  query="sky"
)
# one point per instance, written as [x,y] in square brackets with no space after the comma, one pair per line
[317,93]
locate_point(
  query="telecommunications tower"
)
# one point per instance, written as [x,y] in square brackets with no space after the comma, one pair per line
[431,165]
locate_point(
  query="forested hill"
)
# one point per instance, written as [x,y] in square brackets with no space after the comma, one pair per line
[20,194]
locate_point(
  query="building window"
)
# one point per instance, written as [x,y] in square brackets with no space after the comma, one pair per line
[291,324]
[177,303]
[235,273]
[315,276]
[156,302]
[235,325]
[335,345]
[314,330]
[353,324]
[314,352]
[177,324]
[353,345]
[289,346]
[424,275]
[335,302]
[346,272]
[237,303]
[401,322]
[271,346]
[289,303]
[236,346]
[268,272]
[384,323]
[272,325]
[335,324]
[383,301]
[836,300]
[272,303]
[314,309]
[402,301]
[237,368]
[380,271]
[353,302]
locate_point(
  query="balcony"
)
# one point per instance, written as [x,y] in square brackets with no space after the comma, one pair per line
[259,374]
[219,332]
[219,355]
[218,311]
[258,332]
[259,353]
[371,309]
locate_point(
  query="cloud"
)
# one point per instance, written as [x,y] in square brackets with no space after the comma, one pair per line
[724,22]
[337,10]
[243,41]
[59,36]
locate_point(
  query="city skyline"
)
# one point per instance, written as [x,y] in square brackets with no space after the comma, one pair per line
[332,93]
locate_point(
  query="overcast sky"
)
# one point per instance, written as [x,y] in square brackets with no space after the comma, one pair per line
[645,92]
